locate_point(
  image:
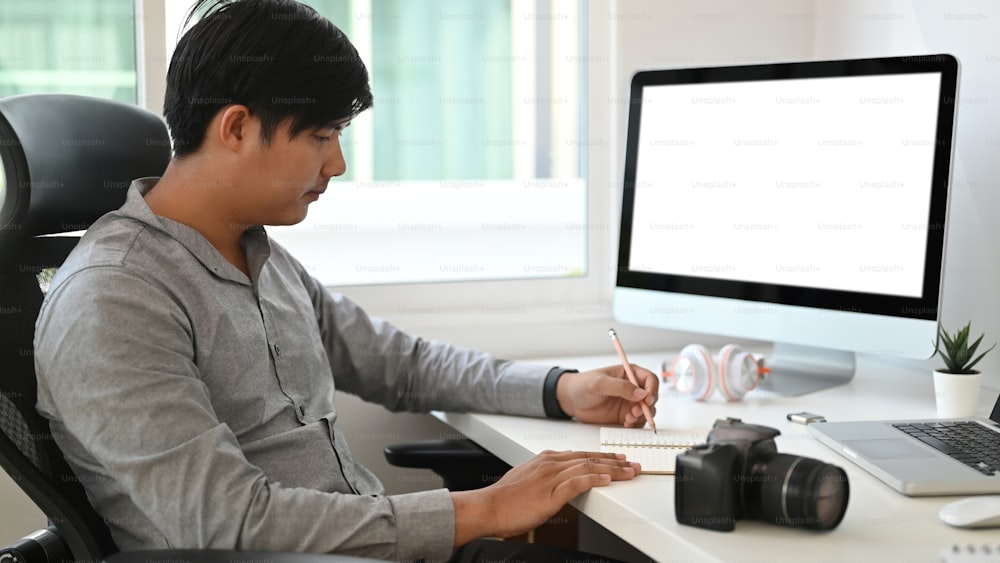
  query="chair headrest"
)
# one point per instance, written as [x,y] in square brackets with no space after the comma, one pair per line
[66,160]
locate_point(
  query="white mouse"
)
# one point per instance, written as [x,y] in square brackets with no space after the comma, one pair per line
[973,512]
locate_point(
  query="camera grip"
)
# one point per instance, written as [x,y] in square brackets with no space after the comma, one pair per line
[704,489]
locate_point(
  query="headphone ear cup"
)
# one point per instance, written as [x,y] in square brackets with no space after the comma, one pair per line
[738,372]
[693,372]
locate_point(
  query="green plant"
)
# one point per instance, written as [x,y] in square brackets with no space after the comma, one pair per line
[958,355]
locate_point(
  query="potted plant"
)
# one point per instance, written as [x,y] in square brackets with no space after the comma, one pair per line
[956,387]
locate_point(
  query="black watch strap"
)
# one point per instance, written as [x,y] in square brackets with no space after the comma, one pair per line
[549,399]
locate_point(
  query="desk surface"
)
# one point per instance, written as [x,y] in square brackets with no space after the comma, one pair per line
[880,524]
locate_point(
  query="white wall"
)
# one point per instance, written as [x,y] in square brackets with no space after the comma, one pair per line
[675,33]
[970,30]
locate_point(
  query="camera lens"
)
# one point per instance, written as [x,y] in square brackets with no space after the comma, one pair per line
[796,491]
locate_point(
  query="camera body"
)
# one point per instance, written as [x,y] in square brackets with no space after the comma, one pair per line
[739,474]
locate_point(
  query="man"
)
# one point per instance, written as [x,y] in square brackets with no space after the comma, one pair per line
[188,365]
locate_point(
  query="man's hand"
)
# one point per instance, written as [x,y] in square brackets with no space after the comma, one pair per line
[530,493]
[605,396]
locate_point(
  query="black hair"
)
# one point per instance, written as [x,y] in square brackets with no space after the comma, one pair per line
[279,58]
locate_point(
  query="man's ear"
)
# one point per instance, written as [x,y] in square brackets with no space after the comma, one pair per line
[233,127]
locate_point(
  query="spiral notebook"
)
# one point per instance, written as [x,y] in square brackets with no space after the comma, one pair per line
[656,452]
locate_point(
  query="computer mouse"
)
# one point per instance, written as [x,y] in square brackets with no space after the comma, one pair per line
[973,512]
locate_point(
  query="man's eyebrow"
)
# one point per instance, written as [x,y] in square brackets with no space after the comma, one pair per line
[337,123]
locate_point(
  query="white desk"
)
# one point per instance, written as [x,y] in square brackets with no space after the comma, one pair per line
[880,524]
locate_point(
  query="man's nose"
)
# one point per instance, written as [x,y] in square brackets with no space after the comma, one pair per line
[335,165]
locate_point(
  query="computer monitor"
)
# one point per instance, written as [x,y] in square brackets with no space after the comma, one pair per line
[798,203]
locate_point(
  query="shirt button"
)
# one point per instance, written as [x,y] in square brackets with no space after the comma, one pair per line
[277,351]
[302,411]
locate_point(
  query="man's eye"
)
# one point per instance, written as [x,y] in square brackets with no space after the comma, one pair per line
[323,139]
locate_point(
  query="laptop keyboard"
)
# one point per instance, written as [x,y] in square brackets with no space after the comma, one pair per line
[968,442]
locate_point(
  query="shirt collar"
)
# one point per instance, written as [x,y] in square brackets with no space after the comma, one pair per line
[255,240]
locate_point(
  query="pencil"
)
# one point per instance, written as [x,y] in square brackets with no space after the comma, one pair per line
[631,376]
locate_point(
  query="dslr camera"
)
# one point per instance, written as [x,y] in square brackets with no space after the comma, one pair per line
[739,474]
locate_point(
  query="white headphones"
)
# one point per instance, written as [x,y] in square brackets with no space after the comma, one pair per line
[695,373]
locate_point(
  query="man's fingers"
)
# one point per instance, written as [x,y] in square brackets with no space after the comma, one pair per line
[582,475]
[648,381]
[568,455]
[637,413]
[575,486]
[564,465]
[634,421]
[616,469]
[621,388]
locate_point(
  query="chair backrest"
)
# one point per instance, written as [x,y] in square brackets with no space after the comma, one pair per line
[64,161]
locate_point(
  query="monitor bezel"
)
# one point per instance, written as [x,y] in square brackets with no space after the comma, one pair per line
[924,307]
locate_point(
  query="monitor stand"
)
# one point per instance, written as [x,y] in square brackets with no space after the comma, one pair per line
[799,370]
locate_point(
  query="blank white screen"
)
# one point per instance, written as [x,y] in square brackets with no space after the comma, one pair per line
[820,183]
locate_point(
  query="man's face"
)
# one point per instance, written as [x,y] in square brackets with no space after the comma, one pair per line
[281,179]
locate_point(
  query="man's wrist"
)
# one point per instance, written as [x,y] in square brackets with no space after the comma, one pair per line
[549,399]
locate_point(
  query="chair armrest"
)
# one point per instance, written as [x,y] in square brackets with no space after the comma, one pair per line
[43,546]
[228,556]
[463,464]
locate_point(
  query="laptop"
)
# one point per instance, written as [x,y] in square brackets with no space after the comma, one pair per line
[922,457]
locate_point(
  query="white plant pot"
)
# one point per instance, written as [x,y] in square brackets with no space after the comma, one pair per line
[956,394]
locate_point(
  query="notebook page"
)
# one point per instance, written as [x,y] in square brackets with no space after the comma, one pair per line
[655,452]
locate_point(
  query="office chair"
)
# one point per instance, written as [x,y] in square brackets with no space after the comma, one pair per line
[462,464]
[65,161]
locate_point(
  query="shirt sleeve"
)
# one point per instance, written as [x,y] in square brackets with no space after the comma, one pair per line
[114,361]
[380,363]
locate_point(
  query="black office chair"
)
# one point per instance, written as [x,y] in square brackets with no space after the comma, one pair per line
[65,161]
[462,464]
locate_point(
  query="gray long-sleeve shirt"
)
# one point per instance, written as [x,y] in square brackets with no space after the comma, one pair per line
[196,405]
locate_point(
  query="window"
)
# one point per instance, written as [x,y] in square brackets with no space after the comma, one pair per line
[352,225]
[85,47]
[469,166]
